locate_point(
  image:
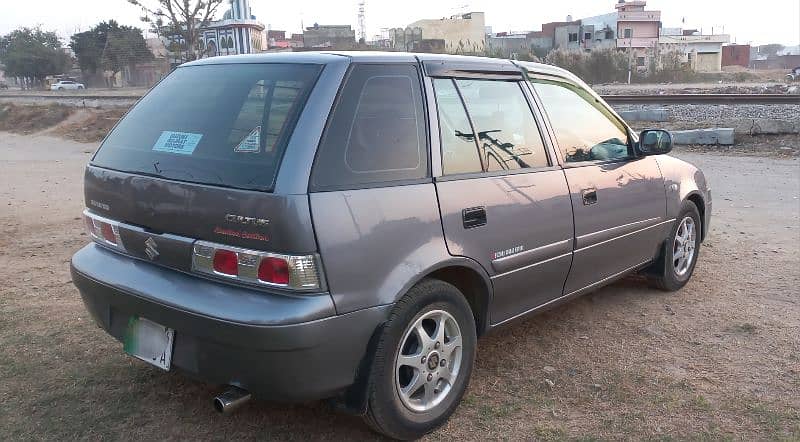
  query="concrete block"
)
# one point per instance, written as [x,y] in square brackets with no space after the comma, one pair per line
[722,136]
[658,115]
[763,126]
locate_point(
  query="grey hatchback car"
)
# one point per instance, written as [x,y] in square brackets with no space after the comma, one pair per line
[345,226]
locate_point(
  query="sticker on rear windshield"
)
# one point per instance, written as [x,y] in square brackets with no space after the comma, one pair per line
[177,142]
[252,143]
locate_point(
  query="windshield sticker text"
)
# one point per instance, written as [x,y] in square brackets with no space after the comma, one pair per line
[252,143]
[177,142]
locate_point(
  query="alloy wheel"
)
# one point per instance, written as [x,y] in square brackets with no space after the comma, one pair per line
[683,248]
[428,361]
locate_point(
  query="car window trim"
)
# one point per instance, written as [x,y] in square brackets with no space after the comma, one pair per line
[494,174]
[374,185]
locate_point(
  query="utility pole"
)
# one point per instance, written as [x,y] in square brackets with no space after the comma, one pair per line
[362,27]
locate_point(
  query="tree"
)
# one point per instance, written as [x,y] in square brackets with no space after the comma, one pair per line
[111,47]
[770,50]
[185,18]
[33,54]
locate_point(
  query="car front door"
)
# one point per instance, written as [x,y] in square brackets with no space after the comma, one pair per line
[504,203]
[618,198]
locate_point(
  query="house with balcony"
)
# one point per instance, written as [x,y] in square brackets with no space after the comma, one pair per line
[638,31]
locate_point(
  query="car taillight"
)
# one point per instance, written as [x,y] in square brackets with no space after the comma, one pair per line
[103,231]
[293,272]
[226,262]
[273,270]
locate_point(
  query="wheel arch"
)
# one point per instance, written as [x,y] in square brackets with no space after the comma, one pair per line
[469,277]
[697,199]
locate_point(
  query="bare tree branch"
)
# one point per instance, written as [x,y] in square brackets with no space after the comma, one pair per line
[186,17]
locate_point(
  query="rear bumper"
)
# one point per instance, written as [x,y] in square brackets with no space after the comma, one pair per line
[283,348]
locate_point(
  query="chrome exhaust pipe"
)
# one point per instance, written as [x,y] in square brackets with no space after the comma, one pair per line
[231,400]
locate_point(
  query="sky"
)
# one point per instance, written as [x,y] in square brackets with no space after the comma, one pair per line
[755,22]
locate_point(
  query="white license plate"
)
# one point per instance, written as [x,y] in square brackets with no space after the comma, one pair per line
[149,342]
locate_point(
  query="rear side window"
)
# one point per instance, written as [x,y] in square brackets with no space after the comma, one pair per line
[222,125]
[376,133]
[507,131]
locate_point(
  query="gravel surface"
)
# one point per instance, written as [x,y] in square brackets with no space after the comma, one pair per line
[695,88]
[718,360]
[719,112]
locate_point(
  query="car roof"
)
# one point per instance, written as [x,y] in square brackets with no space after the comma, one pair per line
[325,57]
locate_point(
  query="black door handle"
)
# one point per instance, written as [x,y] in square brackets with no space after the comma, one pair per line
[589,196]
[474,217]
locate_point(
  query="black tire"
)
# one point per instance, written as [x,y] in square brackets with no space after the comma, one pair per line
[663,274]
[386,412]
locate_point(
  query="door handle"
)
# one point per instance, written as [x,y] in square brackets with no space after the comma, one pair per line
[589,196]
[474,217]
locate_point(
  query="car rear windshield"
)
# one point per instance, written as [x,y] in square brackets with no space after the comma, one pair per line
[225,125]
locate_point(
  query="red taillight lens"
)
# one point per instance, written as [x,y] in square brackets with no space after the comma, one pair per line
[226,262]
[274,270]
[108,233]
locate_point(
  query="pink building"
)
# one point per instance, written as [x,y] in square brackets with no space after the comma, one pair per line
[637,30]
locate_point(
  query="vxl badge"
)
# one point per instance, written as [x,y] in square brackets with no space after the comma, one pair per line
[151,248]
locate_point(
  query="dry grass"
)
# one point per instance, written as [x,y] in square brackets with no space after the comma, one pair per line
[719,360]
[31,119]
[91,126]
[715,361]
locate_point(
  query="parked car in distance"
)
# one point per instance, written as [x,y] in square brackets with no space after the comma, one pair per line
[65,85]
[345,226]
[3,85]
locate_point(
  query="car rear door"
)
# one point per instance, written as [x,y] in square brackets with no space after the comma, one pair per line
[503,202]
[618,198]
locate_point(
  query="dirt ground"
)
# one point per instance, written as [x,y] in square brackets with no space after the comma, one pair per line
[718,360]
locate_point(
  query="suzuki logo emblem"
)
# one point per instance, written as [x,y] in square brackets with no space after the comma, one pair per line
[151,248]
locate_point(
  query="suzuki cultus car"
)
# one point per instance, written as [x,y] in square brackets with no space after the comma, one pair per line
[345,226]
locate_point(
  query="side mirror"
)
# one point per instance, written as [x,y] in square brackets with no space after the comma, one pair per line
[655,142]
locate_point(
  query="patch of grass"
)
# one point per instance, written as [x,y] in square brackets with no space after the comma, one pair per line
[746,328]
[488,414]
[549,433]
[31,119]
[701,403]
[93,128]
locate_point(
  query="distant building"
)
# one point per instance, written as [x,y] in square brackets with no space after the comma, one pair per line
[462,33]
[278,40]
[406,39]
[599,32]
[239,32]
[702,52]
[334,37]
[736,55]
[638,31]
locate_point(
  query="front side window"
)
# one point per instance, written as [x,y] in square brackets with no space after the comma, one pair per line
[508,135]
[377,131]
[585,129]
[459,151]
